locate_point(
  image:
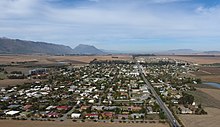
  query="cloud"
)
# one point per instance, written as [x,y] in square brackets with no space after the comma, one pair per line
[107,20]
[167,1]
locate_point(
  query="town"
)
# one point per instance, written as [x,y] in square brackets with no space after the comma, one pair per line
[103,91]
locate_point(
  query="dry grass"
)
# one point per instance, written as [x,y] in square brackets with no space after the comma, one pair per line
[13,82]
[210,98]
[205,97]
[87,59]
[212,92]
[12,123]
[210,120]
[45,59]
[211,78]
[197,60]
[208,74]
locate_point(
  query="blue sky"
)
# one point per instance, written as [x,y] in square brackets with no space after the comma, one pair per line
[126,25]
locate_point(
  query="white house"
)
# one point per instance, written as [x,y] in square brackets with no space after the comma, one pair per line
[12,113]
[75,115]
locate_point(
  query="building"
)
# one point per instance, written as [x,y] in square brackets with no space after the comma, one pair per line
[75,115]
[38,71]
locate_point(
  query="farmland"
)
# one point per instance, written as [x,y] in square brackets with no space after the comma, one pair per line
[197,59]
[209,98]
[47,59]
[10,123]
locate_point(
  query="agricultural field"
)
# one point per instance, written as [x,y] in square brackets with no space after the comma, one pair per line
[210,120]
[208,74]
[46,59]
[9,123]
[196,59]
[209,98]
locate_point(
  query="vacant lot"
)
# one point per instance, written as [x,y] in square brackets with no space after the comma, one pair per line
[12,123]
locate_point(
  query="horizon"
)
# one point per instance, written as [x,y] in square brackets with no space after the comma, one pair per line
[134,26]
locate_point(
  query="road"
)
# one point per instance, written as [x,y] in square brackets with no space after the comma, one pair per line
[163,106]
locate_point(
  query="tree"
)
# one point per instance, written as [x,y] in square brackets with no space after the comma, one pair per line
[162,115]
[186,99]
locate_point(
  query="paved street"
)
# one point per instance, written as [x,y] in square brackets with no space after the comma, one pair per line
[163,106]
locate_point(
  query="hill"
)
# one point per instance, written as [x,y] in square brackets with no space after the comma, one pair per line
[16,46]
[178,52]
[87,49]
[212,52]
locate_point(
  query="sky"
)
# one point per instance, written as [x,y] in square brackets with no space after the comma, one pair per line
[122,25]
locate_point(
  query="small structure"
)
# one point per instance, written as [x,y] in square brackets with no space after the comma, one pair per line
[185,110]
[12,113]
[75,115]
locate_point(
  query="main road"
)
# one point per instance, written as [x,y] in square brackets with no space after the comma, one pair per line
[168,113]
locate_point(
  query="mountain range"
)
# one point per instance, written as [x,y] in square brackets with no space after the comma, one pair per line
[17,46]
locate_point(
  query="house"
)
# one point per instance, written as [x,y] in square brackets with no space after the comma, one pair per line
[91,101]
[12,113]
[185,110]
[84,107]
[134,108]
[27,107]
[92,115]
[25,114]
[150,110]
[137,115]
[50,107]
[63,107]
[13,106]
[121,116]
[174,101]
[99,108]
[108,114]
[75,115]
[53,115]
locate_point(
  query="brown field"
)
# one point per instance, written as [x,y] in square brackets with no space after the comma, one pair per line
[211,70]
[210,120]
[211,78]
[210,98]
[46,59]
[208,74]
[196,60]
[13,82]
[205,97]
[13,123]
[212,92]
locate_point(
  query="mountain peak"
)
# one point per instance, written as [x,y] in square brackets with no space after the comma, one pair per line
[87,49]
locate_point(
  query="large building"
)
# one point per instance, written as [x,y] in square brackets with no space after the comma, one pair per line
[38,71]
